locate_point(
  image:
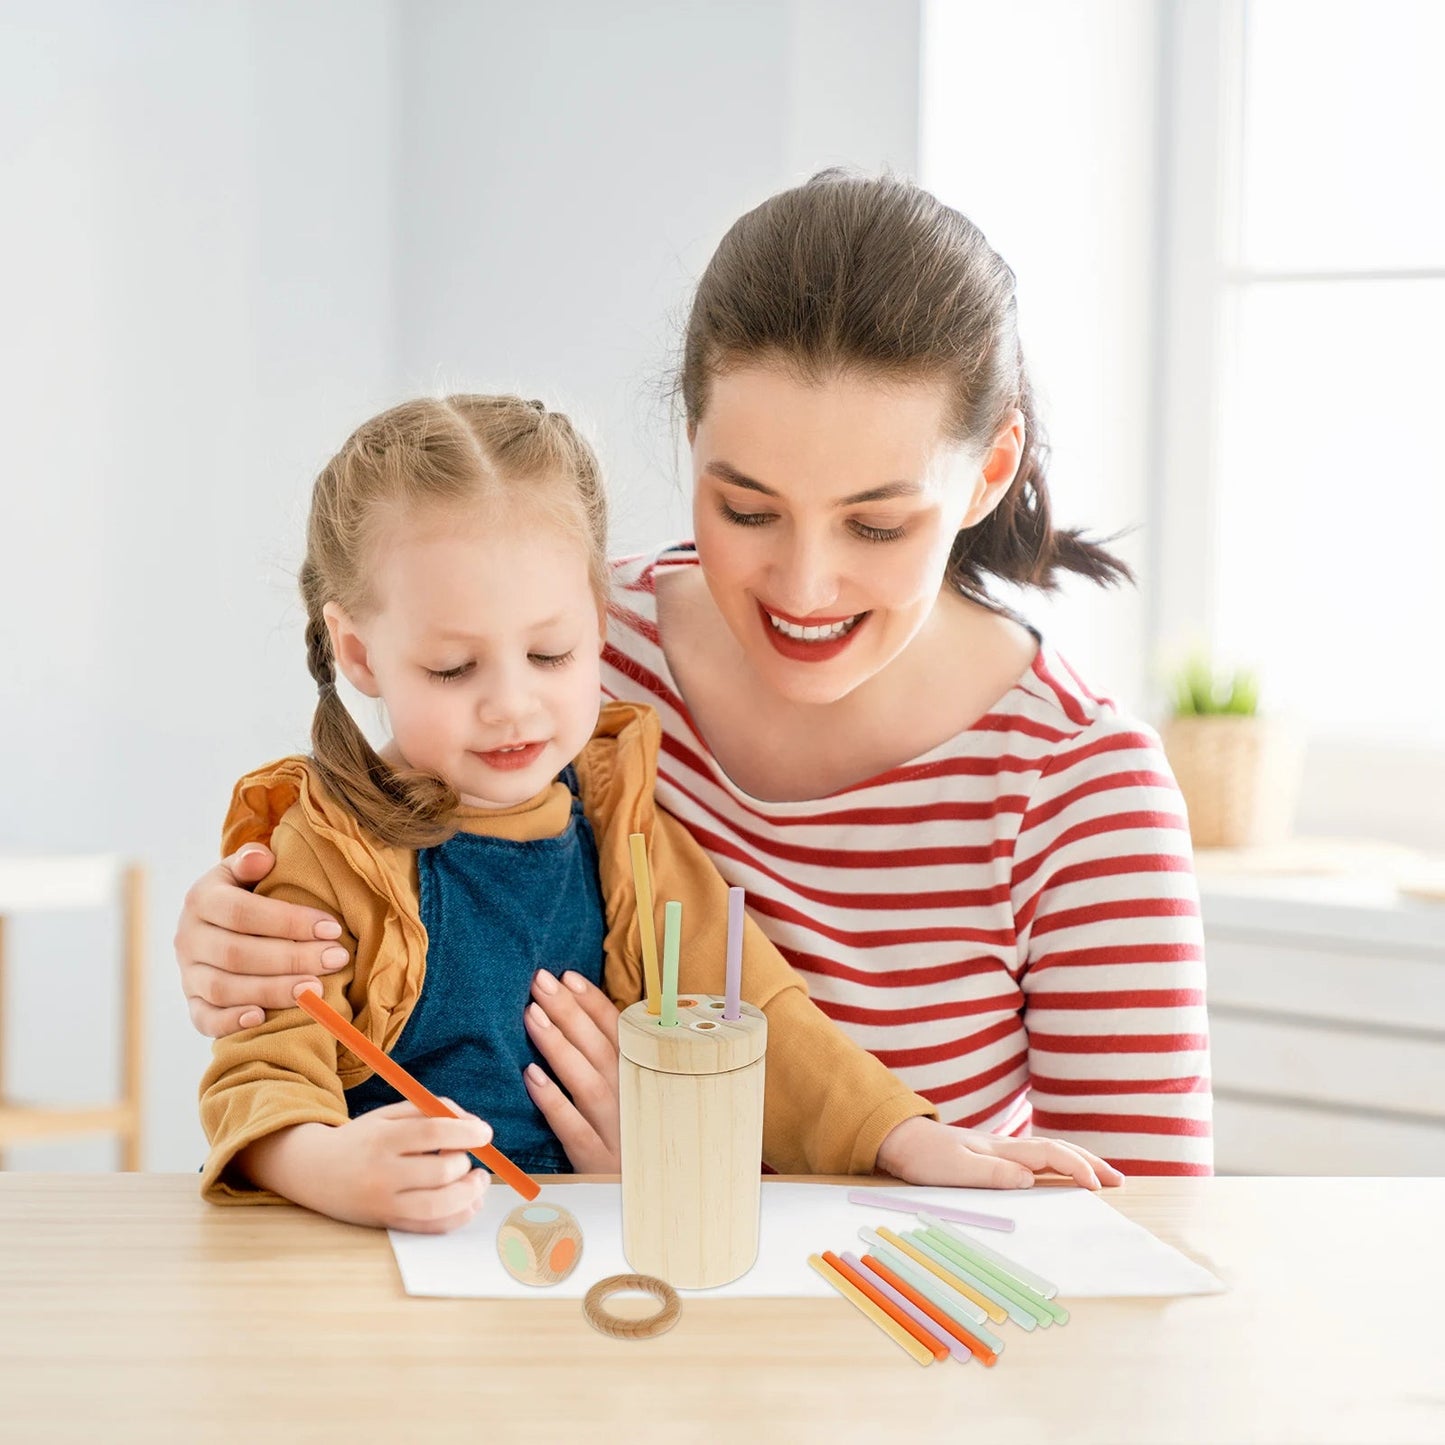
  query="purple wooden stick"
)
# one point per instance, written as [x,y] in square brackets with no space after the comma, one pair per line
[734,995]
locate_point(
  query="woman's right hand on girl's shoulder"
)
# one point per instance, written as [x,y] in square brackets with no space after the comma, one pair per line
[240,954]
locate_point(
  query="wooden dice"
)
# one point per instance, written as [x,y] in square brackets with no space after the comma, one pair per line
[539,1243]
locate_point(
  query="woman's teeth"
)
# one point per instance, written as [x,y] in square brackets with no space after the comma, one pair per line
[814,634]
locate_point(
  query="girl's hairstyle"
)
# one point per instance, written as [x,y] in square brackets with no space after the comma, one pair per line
[877,277]
[457,453]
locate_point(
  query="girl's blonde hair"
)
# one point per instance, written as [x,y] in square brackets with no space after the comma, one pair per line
[426,455]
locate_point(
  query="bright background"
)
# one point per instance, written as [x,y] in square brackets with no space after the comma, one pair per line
[233,230]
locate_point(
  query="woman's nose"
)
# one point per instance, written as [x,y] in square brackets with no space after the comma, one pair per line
[805,576]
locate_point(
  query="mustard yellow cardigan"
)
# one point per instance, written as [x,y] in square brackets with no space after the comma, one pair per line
[828,1103]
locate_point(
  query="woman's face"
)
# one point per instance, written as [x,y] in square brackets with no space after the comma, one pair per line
[824,513]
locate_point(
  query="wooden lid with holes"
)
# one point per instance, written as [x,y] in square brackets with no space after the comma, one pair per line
[700,1042]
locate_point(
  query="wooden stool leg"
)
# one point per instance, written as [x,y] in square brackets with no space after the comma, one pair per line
[133,989]
[2,1027]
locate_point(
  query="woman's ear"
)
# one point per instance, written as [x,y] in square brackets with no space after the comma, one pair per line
[348,647]
[998,469]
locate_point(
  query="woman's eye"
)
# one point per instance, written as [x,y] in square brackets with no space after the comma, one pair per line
[744,519]
[876,534]
[450,674]
[551,659]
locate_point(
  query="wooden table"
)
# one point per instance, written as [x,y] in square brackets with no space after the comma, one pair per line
[130,1310]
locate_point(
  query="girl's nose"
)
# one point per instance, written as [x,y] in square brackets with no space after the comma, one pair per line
[507,697]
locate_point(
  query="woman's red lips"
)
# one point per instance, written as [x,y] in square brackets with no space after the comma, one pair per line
[808,621]
[797,649]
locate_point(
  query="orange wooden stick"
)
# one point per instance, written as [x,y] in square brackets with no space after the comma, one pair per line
[945,1322]
[408,1087]
[929,1343]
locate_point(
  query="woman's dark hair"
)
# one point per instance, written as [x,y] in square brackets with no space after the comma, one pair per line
[877,276]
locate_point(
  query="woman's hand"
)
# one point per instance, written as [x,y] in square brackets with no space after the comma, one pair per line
[575,1029]
[923,1151]
[392,1168]
[240,954]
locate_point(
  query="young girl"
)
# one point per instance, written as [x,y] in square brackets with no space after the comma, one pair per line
[456,570]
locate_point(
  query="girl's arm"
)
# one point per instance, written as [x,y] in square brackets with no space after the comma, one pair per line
[1107,917]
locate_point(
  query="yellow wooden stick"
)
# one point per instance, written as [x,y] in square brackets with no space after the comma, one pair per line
[854,1295]
[646,923]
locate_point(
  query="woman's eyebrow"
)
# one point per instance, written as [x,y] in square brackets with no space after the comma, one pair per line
[730,474]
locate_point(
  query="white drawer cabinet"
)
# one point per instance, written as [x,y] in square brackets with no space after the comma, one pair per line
[1327,1027]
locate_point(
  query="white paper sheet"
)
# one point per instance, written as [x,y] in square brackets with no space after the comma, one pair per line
[1069,1236]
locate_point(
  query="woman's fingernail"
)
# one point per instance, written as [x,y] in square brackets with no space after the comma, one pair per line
[334,957]
[1025,1179]
[574,981]
[249,851]
[327,928]
[252,1018]
[538,1017]
[310,986]
[546,982]
[535,1074]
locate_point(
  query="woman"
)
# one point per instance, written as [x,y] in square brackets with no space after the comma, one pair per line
[981,869]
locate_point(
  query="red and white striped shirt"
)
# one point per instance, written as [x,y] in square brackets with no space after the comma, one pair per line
[1009,922]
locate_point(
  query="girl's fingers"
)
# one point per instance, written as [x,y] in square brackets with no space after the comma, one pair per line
[439,1210]
[1054,1154]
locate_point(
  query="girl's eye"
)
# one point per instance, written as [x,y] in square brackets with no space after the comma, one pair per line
[451,673]
[876,534]
[551,659]
[744,519]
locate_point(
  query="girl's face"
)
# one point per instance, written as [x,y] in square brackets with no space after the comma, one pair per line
[485,649]
[824,513]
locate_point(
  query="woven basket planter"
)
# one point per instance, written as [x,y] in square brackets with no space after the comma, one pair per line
[1240,777]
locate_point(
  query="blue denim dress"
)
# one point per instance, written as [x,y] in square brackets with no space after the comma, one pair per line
[495,912]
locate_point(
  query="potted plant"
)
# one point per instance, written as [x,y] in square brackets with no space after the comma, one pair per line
[1239,770]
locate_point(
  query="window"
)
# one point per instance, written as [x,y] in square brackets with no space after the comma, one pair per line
[1302,487]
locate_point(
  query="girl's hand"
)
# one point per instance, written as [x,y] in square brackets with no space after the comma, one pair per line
[394,1168]
[574,1026]
[240,954]
[923,1151]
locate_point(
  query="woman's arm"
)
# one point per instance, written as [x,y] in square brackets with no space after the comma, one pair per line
[1107,917]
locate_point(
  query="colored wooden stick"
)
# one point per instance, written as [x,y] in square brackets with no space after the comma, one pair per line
[733,983]
[936,1313]
[995,1314]
[861,1302]
[671,944]
[1013,1297]
[879,1200]
[929,1342]
[948,1299]
[992,1266]
[964,1273]
[646,923]
[952,1345]
[1025,1276]
[409,1088]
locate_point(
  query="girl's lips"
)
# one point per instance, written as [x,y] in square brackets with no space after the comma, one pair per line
[796,650]
[508,760]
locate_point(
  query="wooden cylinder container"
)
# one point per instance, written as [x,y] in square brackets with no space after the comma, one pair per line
[692,1140]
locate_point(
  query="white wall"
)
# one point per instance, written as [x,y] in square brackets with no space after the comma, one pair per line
[1040,124]
[195,278]
[233,230]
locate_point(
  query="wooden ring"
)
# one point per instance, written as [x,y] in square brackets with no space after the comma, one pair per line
[647,1328]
